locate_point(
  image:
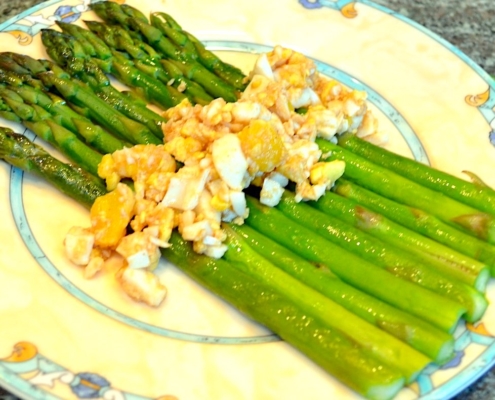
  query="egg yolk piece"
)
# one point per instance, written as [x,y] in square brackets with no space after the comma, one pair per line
[261,143]
[110,215]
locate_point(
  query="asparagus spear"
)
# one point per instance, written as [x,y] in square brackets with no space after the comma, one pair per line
[24,111]
[194,92]
[396,187]
[63,50]
[191,45]
[381,253]
[160,21]
[40,122]
[7,113]
[419,221]
[328,347]
[473,194]
[93,46]
[384,347]
[122,68]
[206,57]
[113,13]
[18,151]
[102,112]
[325,345]
[119,39]
[133,12]
[120,101]
[423,336]
[441,258]
[63,115]
[438,310]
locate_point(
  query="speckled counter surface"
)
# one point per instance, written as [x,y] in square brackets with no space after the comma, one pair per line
[469,25]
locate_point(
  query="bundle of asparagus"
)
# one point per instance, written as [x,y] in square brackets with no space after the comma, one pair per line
[369,287]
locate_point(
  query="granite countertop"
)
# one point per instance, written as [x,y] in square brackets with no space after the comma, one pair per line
[469,25]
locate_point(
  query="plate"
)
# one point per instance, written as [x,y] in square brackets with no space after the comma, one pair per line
[66,337]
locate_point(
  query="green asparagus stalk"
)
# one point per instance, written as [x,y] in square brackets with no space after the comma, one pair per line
[113,13]
[7,63]
[475,195]
[133,13]
[119,39]
[33,95]
[432,307]
[441,258]
[124,70]
[422,336]
[160,21]
[227,72]
[159,94]
[419,221]
[62,47]
[63,115]
[119,101]
[328,347]
[67,143]
[41,123]
[21,109]
[384,346]
[81,154]
[92,45]
[18,151]
[396,187]
[52,104]
[115,36]
[102,112]
[190,89]
[32,115]
[7,113]
[191,45]
[197,93]
[393,259]
[98,138]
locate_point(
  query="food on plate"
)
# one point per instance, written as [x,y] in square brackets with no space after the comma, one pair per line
[224,147]
[241,169]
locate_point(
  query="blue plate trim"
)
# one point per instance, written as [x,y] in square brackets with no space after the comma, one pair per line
[469,374]
[21,387]
[27,13]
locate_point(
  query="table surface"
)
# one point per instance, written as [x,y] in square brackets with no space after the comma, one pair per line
[469,25]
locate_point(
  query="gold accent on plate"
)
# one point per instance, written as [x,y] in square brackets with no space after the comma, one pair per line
[478,99]
[23,351]
[23,38]
[349,10]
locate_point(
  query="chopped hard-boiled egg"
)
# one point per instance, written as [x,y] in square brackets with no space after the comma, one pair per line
[261,140]
[229,161]
[141,285]
[78,245]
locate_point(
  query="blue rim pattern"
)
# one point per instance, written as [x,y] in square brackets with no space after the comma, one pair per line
[28,12]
